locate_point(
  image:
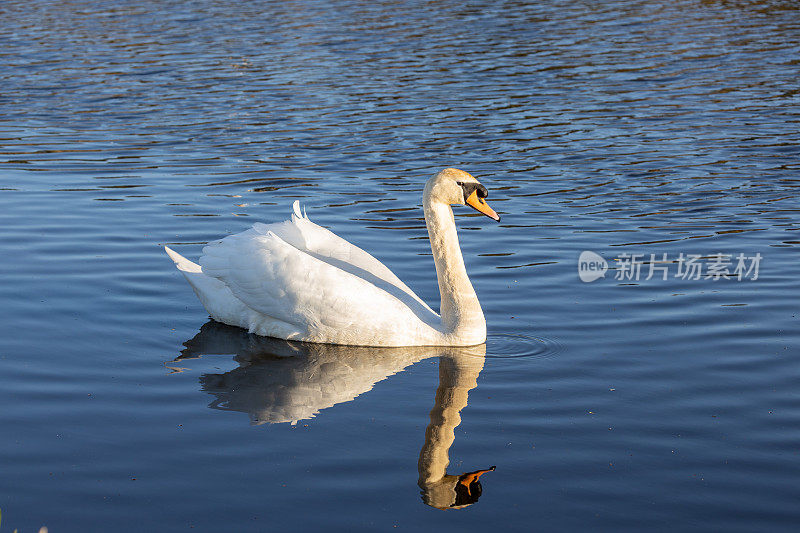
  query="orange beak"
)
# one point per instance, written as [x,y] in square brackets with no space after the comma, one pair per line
[480,204]
[470,477]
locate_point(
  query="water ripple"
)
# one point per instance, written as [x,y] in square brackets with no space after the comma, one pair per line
[514,345]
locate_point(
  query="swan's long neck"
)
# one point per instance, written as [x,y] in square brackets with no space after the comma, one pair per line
[461,312]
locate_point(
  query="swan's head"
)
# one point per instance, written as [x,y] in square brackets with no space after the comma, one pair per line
[454,492]
[452,186]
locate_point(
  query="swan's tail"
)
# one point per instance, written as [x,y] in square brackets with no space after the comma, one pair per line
[213,294]
[183,264]
[223,306]
[207,288]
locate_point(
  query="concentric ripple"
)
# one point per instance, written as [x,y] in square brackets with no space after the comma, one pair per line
[514,345]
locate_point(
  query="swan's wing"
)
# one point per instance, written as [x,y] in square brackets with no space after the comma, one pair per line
[326,246]
[275,278]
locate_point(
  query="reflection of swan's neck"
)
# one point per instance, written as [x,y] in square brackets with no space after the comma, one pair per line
[461,312]
[457,376]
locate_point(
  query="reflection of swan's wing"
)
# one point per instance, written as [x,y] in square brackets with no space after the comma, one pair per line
[305,276]
[288,389]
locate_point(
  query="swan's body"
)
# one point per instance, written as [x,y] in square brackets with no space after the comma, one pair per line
[295,280]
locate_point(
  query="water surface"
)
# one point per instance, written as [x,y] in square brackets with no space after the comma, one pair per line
[619,128]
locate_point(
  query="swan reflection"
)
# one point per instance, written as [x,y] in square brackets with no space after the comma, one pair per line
[284,382]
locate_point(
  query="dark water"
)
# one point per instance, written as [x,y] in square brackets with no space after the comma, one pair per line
[616,127]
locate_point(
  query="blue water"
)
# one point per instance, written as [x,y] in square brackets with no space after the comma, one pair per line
[621,127]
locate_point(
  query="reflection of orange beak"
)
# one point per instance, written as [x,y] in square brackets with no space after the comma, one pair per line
[480,204]
[470,477]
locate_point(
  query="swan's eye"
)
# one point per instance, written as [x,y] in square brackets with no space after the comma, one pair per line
[460,183]
[472,187]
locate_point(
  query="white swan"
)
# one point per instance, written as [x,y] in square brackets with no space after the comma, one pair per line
[298,281]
